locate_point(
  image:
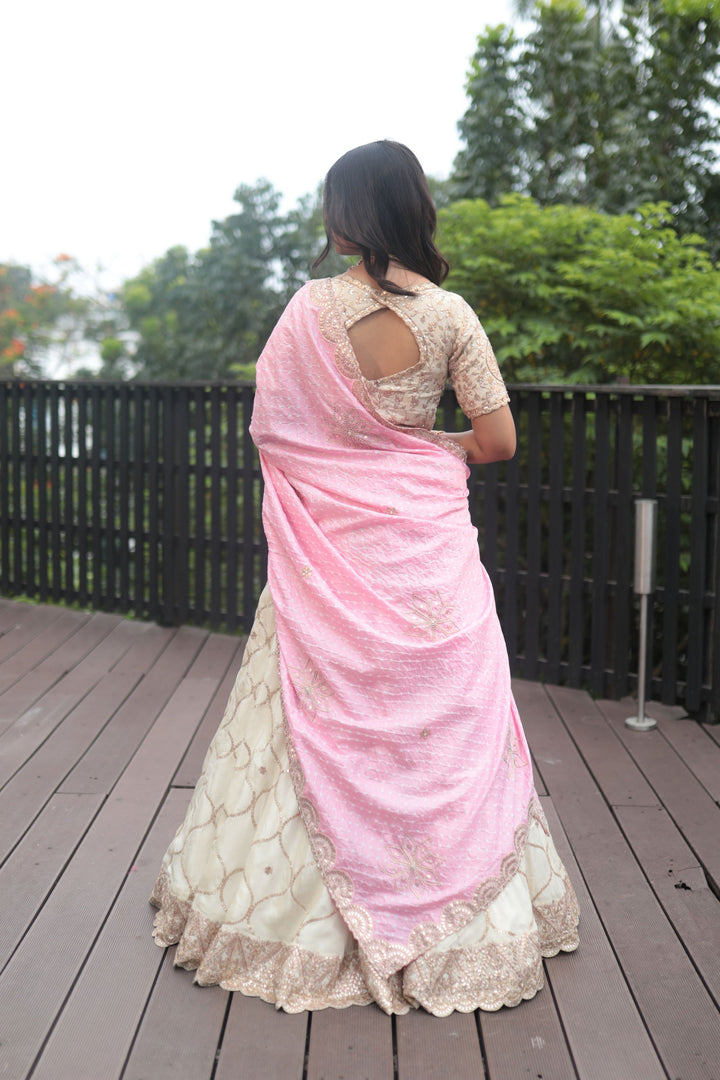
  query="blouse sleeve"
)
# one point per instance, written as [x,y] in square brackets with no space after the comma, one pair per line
[473,370]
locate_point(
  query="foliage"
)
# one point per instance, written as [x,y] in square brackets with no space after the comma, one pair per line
[571,294]
[605,105]
[40,316]
[208,315]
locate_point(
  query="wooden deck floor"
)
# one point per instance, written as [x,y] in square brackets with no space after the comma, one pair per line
[103,726]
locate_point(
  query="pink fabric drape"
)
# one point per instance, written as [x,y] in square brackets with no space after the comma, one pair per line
[408,757]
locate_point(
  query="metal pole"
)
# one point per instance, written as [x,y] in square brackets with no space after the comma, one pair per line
[645,519]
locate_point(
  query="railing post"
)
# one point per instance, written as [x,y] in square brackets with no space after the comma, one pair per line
[645,518]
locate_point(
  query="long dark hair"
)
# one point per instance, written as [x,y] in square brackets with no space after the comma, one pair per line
[376,198]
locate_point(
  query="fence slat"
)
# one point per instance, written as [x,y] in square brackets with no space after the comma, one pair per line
[698,628]
[82,497]
[169,544]
[623,540]
[110,524]
[231,528]
[139,503]
[44,402]
[576,614]
[598,631]
[68,590]
[5,512]
[531,634]
[512,525]
[123,482]
[17,458]
[200,603]
[215,522]
[714,560]
[97,517]
[671,576]
[248,516]
[30,479]
[556,531]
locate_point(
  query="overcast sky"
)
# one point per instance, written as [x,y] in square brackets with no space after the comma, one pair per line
[127,127]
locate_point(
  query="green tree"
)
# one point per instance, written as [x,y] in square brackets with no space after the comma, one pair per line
[606,106]
[494,128]
[677,44]
[572,294]
[209,315]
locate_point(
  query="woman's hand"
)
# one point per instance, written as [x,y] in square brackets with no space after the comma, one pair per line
[492,438]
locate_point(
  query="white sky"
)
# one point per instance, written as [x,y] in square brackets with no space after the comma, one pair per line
[127,127]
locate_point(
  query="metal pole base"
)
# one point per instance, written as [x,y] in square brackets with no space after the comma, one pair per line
[641,723]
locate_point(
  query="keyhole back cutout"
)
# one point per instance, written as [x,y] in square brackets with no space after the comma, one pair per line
[383,344]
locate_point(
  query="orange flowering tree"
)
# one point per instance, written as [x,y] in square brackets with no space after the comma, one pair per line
[38,317]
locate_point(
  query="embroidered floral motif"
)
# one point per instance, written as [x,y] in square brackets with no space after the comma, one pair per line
[424,734]
[389,510]
[511,757]
[433,615]
[306,571]
[349,427]
[413,865]
[312,690]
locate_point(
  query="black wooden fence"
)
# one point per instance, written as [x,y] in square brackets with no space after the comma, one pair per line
[145,498]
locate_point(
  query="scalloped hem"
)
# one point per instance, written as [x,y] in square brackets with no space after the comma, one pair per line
[295,979]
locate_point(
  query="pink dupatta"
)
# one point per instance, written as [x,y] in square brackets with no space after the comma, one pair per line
[408,758]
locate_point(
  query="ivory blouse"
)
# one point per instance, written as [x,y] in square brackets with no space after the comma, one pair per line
[452,345]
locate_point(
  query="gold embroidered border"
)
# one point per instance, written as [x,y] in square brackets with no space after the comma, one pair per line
[296,979]
[333,330]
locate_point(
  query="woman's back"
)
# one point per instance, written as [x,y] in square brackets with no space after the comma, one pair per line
[407,357]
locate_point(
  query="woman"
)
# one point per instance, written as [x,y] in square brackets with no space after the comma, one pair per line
[365,827]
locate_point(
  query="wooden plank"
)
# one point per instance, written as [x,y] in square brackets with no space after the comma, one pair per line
[25,794]
[48,639]
[29,730]
[693,810]
[98,769]
[612,767]
[190,767]
[663,980]
[435,1048]
[96,1028]
[692,742]
[353,1043]
[11,612]
[672,869]
[45,965]
[592,995]
[713,731]
[260,1040]
[181,1029]
[680,885]
[29,874]
[18,699]
[29,620]
[527,1040]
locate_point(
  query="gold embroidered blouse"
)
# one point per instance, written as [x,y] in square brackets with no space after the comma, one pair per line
[452,345]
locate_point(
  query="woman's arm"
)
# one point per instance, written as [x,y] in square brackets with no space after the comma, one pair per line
[492,437]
